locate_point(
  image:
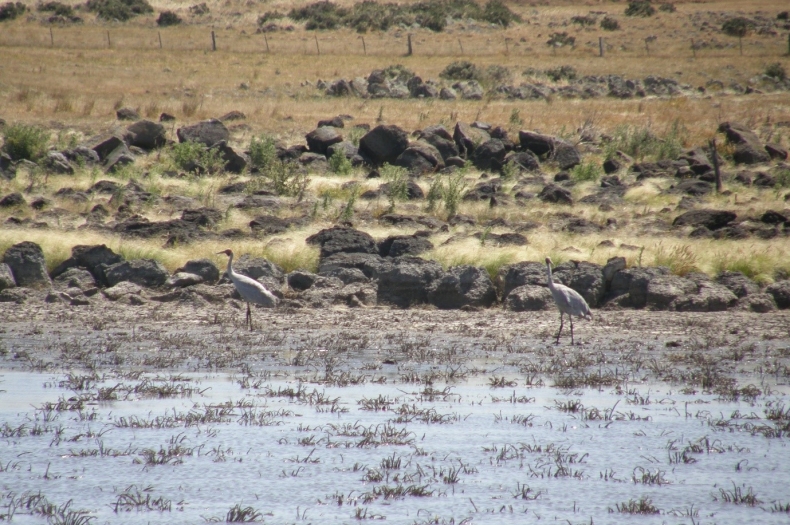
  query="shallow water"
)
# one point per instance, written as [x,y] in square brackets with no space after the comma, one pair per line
[490,455]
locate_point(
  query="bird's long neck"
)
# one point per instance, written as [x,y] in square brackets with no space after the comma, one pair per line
[548,272]
[230,266]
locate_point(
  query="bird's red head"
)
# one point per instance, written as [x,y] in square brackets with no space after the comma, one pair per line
[229,253]
[548,260]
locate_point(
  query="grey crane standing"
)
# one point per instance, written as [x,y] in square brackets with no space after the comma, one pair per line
[568,301]
[250,290]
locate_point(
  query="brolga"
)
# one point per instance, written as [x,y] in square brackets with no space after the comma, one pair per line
[568,301]
[250,290]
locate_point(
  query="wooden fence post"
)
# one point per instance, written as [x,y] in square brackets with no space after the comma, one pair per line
[317,49]
[51,38]
[600,46]
[267,42]
[109,43]
[160,39]
[693,49]
[213,42]
[364,48]
[461,46]
[507,46]
[715,159]
[409,51]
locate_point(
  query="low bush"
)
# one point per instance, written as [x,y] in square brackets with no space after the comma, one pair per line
[269,16]
[610,24]
[199,9]
[168,18]
[339,163]
[23,141]
[121,10]
[586,171]
[461,70]
[56,8]
[737,26]
[195,157]
[374,16]
[776,71]
[667,8]
[561,73]
[11,10]
[641,8]
[584,21]
[262,152]
[561,39]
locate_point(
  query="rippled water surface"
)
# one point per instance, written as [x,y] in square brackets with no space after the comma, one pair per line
[270,448]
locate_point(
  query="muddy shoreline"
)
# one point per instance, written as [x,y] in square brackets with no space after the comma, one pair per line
[636,345]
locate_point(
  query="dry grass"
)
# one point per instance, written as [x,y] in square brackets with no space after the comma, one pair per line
[75,87]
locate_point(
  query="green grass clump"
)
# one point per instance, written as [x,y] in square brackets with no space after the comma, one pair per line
[23,141]
[339,163]
[681,260]
[642,143]
[56,8]
[196,158]
[640,8]
[11,10]
[761,266]
[586,171]
[121,10]
[263,152]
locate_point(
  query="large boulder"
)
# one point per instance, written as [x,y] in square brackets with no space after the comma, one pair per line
[343,265]
[555,194]
[6,277]
[235,161]
[398,245]
[118,158]
[341,239]
[537,143]
[462,286]
[259,268]
[143,272]
[629,286]
[420,157]
[584,277]
[319,140]
[57,162]
[146,135]
[102,146]
[519,274]
[204,268]
[524,160]
[738,283]
[383,143]
[27,264]
[709,297]
[76,278]
[529,298]
[208,132]
[489,155]
[780,291]
[566,155]
[748,147]
[711,219]
[407,280]
[467,138]
[440,138]
[664,290]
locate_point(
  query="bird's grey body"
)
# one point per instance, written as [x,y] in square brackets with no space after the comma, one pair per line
[250,290]
[568,300]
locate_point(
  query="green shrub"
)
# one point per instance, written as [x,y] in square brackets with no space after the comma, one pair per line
[121,10]
[56,8]
[586,171]
[453,191]
[263,153]
[496,12]
[667,8]
[195,157]
[11,10]
[286,179]
[776,71]
[640,8]
[737,26]
[561,39]
[23,141]
[642,143]
[320,15]
[168,18]
[610,24]
[339,163]
[461,70]
[561,73]
[583,21]
[268,16]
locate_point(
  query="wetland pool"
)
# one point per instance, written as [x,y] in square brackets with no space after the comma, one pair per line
[87,447]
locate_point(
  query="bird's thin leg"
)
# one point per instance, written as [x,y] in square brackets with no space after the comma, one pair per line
[249,316]
[571,329]
[560,331]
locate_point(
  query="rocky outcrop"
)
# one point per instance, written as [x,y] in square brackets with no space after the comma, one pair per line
[406,281]
[143,272]
[383,143]
[28,265]
[340,239]
[208,133]
[462,286]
